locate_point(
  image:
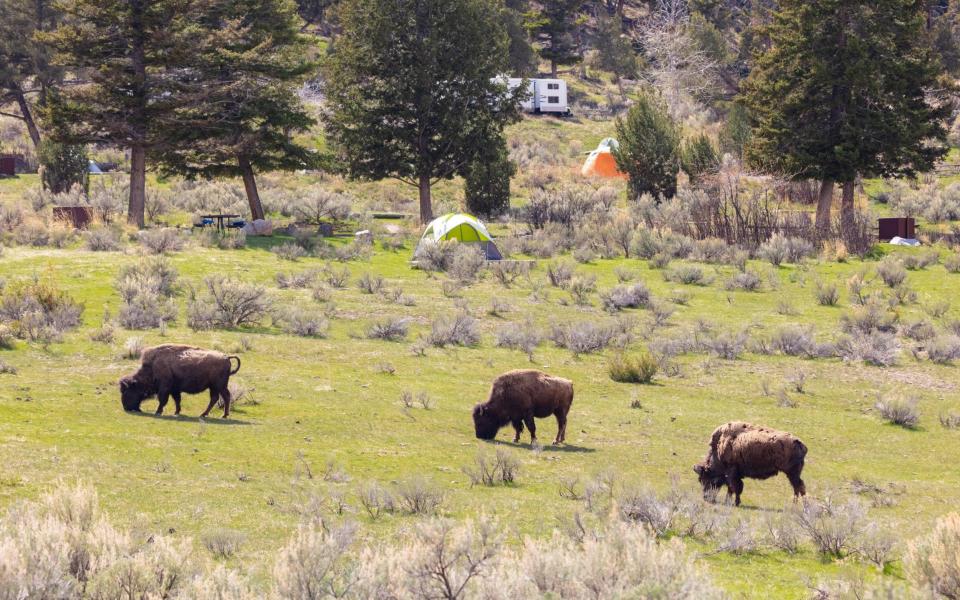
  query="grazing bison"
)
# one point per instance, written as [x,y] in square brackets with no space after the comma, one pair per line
[171,369]
[739,450]
[517,397]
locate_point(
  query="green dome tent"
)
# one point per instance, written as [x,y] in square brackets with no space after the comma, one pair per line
[462,227]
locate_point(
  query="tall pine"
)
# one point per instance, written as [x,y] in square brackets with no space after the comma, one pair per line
[843,89]
[413,90]
[134,51]
[554,27]
[251,63]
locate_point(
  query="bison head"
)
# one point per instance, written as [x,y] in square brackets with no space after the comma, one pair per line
[485,423]
[710,478]
[132,393]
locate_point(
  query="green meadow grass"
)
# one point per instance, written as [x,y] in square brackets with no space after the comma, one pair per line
[322,400]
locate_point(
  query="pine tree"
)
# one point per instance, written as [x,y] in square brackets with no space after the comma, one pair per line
[698,156]
[412,89]
[136,50]
[614,49]
[487,181]
[523,58]
[554,27]
[245,78]
[648,150]
[842,91]
[25,67]
[736,131]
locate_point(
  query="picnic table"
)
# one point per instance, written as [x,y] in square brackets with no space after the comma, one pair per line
[219,219]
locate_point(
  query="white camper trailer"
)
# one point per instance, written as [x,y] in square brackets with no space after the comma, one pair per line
[543,95]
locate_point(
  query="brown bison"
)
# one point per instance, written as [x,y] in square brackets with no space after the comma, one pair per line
[517,397]
[739,450]
[171,369]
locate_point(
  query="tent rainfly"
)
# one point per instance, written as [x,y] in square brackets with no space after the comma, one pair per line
[601,162]
[462,227]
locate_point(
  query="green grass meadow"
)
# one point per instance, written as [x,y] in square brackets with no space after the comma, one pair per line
[332,399]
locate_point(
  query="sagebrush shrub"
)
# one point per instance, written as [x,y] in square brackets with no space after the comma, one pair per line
[876,348]
[162,241]
[227,303]
[892,271]
[899,411]
[620,297]
[38,310]
[303,322]
[933,561]
[944,349]
[833,528]
[744,280]
[626,369]
[147,289]
[370,284]
[458,330]
[559,273]
[102,239]
[520,336]
[500,469]
[392,329]
[289,251]
[827,294]
[223,542]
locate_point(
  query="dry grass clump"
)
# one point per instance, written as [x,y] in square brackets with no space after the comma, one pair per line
[501,469]
[639,369]
[932,561]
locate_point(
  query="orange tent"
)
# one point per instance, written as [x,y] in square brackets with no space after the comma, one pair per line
[600,162]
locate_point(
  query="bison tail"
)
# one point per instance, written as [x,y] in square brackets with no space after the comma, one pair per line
[236,358]
[801,450]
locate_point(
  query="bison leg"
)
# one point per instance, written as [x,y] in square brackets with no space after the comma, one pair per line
[518,427]
[532,427]
[799,489]
[225,394]
[162,398]
[176,402]
[561,428]
[214,395]
[737,489]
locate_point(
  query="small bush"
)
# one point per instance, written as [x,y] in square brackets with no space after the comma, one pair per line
[289,251]
[780,249]
[370,284]
[38,310]
[147,289]
[132,348]
[459,330]
[559,273]
[874,348]
[507,272]
[298,321]
[392,329]
[580,288]
[585,337]
[162,241]
[827,294]
[782,532]
[933,561]
[376,500]
[644,506]
[640,369]
[833,528]
[950,420]
[899,411]
[227,303]
[102,239]
[301,280]
[418,496]
[501,469]
[524,337]
[745,280]
[794,341]
[687,275]
[919,330]
[626,296]
[624,274]
[892,271]
[870,317]
[223,543]
[952,263]
[6,368]
[728,345]
[944,350]
[467,262]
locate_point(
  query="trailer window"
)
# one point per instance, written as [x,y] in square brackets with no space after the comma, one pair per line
[553,99]
[553,86]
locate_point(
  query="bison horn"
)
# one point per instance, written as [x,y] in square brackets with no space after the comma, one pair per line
[698,469]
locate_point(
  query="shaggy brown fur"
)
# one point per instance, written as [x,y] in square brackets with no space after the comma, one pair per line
[172,369]
[517,397]
[739,450]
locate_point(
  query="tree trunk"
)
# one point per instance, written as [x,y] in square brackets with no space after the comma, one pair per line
[824,205]
[426,208]
[28,118]
[250,185]
[138,185]
[553,68]
[847,209]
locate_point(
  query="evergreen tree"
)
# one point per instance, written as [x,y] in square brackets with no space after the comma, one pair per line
[554,27]
[245,78]
[736,131]
[487,180]
[412,89]
[25,66]
[62,166]
[614,50]
[136,52]
[698,156]
[523,58]
[842,91]
[648,150]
